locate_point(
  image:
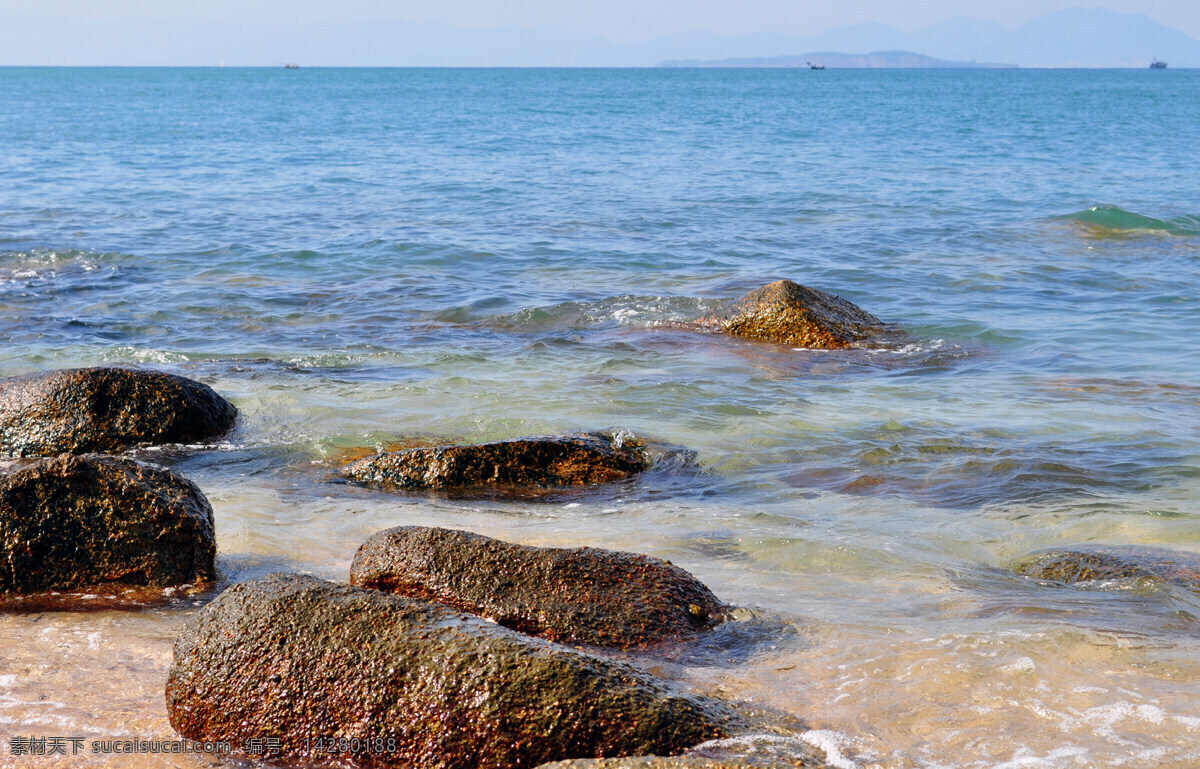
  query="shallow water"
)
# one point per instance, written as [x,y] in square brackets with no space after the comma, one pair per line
[358,257]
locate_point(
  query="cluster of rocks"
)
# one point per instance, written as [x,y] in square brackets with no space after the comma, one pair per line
[453,650]
[72,519]
[447,649]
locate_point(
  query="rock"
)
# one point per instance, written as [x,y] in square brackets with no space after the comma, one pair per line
[789,313]
[73,411]
[575,460]
[1087,565]
[571,595]
[405,682]
[88,521]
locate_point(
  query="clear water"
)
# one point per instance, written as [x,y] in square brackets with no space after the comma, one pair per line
[356,257]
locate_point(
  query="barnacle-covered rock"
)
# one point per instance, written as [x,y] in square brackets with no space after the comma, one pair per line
[82,522]
[790,313]
[572,595]
[340,672]
[74,411]
[532,463]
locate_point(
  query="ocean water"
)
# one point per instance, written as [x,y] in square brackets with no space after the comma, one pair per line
[362,257]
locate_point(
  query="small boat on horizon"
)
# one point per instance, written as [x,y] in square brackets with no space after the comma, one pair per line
[814,66]
[1156,64]
[289,65]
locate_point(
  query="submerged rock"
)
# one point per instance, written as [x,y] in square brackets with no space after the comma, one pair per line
[106,409]
[574,460]
[790,313]
[88,521]
[335,671]
[1088,565]
[572,595]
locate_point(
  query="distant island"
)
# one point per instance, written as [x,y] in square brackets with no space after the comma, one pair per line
[875,60]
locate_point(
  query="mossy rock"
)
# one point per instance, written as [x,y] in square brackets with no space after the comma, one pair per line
[75,523]
[523,463]
[792,314]
[75,411]
[411,683]
[571,595]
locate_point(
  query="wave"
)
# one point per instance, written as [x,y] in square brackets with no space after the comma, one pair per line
[42,264]
[1113,221]
[611,312]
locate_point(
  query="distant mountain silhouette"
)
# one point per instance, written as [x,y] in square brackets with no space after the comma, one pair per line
[873,60]
[1071,38]
[1075,37]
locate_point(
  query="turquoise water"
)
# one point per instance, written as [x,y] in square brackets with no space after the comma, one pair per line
[356,257]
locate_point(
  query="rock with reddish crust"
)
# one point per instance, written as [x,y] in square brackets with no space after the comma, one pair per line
[1109,563]
[571,595]
[789,313]
[84,522]
[336,671]
[536,463]
[73,411]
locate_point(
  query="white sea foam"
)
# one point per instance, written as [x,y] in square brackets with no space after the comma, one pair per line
[1191,722]
[1022,665]
[833,743]
[622,435]
[148,355]
[928,345]
[1103,718]
[830,742]
[1027,759]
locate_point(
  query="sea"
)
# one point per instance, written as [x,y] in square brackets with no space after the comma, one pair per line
[366,258]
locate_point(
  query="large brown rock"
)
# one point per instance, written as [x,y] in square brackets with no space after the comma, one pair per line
[411,683]
[789,313]
[535,463]
[1109,563]
[571,595]
[82,522]
[74,411]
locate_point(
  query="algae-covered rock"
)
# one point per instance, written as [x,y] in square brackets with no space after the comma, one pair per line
[75,522]
[789,313]
[1115,563]
[336,671]
[572,595]
[574,460]
[75,411]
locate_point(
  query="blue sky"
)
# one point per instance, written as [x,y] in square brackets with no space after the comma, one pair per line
[619,20]
[622,33]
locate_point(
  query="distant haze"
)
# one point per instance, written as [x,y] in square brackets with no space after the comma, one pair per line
[529,33]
